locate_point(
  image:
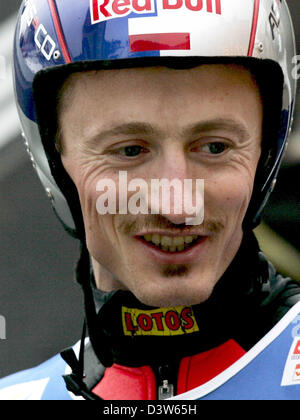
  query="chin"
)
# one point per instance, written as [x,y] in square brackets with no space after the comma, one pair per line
[185,295]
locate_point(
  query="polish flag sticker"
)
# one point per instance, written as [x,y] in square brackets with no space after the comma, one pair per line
[291,374]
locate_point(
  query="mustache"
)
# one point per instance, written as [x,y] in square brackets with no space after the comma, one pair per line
[132,226]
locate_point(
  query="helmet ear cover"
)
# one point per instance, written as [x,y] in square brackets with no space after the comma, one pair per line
[50,82]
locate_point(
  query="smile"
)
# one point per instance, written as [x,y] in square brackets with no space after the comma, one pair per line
[166,248]
[171,244]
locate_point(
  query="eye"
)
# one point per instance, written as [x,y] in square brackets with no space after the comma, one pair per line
[215,148]
[211,147]
[132,151]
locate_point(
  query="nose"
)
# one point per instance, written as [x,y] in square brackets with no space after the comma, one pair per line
[176,194]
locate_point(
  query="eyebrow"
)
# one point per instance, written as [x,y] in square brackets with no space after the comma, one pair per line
[132,128]
[147,129]
[222,124]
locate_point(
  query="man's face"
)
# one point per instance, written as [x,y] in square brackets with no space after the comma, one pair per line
[155,123]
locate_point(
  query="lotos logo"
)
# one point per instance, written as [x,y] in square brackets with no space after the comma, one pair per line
[165,321]
[102,10]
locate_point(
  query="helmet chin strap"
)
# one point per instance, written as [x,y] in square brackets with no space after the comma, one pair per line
[83,277]
[75,381]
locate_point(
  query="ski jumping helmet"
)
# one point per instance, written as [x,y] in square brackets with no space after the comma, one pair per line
[54,38]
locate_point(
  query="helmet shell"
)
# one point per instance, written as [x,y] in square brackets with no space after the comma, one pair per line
[53,34]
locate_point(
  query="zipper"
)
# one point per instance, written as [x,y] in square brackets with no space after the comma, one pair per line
[166,390]
[166,387]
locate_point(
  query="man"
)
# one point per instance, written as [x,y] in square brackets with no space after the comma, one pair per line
[114,96]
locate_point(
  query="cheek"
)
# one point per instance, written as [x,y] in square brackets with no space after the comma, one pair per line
[87,179]
[228,196]
[87,190]
[95,186]
[99,203]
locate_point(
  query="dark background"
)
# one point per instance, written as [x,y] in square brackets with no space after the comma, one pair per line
[39,298]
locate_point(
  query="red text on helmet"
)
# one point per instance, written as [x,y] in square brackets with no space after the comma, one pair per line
[102,10]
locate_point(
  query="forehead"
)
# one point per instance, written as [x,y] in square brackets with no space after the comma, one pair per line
[150,78]
[163,96]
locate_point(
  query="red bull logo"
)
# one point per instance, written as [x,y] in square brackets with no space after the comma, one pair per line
[102,10]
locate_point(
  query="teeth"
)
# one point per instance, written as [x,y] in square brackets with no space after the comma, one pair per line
[178,241]
[180,247]
[156,239]
[171,244]
[166,241]
[189,239]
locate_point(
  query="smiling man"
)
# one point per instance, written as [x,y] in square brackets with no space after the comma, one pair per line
[167,92]
[107,126]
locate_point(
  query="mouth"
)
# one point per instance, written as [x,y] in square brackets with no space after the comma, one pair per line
[172,249]
[172,244]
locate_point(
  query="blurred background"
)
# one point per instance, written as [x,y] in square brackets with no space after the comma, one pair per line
[39,298]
